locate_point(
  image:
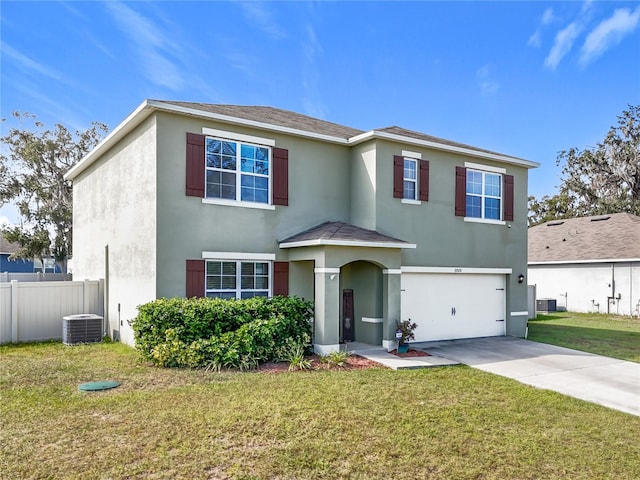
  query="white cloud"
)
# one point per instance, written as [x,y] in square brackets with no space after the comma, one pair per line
[262,18]
[488,86]
[311,52]
[562,44]
[4,220]
[535,39]
[547,16]
[27,64]
[158,54]
[609,33]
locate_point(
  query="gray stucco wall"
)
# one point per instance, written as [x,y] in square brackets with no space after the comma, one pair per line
[318,192]
[133,199]
[444,240]
[114,205]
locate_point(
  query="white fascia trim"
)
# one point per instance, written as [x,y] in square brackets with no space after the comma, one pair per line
[372,320]
[134,119]
[486,168]
[245,122]
[409,154]
[441,146]
[326,270]
[239,256]
[604,260]
[519,314]
[240,137]
[345,243]
[484,220]
[238,203]
[391,271]
[487,271]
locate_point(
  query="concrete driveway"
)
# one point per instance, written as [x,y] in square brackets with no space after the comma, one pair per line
[607,381]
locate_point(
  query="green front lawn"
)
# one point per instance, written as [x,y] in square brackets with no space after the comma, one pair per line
[610,335]
[451,422]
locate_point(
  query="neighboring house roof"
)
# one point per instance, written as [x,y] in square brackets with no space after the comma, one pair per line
[585,239]
[7,247]
[340,233]
[278,120]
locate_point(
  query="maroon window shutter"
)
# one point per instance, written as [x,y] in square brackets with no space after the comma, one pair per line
[280,176]
[398,176]
[424,180]
[508,198]
[195,278]
[461,191]
[281,278]
[195,165]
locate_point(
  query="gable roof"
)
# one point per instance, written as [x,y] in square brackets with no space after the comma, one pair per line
[284,121]
[343,234]
[274,116]
[584,239]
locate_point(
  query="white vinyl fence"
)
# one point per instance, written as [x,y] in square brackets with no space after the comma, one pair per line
[33,311]
[35,277]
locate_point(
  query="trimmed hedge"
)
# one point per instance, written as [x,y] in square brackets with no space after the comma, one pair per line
[216,333]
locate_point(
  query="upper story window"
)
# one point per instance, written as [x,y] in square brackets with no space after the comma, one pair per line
[231,168]
[237,170]
[484,195]
[410,179]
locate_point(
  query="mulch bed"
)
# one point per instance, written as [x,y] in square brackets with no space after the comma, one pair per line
[354,362]
[410,353]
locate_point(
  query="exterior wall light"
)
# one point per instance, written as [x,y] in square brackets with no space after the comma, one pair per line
[520,278]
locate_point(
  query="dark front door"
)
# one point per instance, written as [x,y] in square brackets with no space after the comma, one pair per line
[347,316]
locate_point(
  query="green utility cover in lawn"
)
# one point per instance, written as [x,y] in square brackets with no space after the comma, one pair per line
[93,386]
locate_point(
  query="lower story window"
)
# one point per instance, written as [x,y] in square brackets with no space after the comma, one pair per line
[237,279]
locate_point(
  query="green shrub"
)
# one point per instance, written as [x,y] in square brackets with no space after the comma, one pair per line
[297,360]
[219,333]
[338,359]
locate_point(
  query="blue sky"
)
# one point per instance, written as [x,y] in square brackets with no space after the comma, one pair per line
[523,78]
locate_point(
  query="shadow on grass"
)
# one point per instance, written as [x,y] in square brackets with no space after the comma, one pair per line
[542,317]
[620,344]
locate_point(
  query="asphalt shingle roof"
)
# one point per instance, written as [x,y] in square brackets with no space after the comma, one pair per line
[288,119]
[7,247]
[274,116]
[341,231]
[615,236]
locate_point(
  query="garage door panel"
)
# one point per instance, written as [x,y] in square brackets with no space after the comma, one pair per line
[449,306]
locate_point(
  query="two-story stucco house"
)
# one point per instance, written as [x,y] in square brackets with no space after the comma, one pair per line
[189,199]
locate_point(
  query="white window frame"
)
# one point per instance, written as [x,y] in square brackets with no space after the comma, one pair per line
[239,139]
[416,165]
[486,170]
[238,262]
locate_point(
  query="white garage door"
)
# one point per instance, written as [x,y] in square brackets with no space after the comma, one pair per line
[449,306]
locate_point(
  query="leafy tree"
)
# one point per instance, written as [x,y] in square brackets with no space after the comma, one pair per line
[33,163]
[600,180]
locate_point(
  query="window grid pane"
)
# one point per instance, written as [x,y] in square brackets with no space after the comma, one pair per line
[236,279]
[410,181]
[484,195]
[225,160]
